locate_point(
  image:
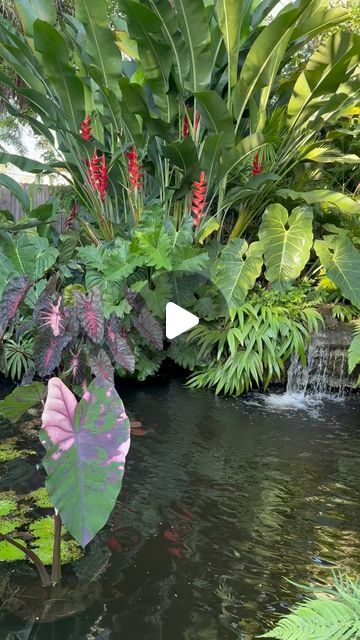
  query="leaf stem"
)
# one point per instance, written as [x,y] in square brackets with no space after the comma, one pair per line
[56,562]
[44,576]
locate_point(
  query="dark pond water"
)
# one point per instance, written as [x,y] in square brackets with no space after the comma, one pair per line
[222,500]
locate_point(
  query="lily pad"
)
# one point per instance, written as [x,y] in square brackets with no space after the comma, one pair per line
[43,530]
[8,450]
[40,497]
[9,553]
[7,505]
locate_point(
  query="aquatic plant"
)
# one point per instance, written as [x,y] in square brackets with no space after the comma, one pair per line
[333,613]
[86,445]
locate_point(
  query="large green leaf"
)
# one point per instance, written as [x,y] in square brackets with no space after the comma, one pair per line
[229,19]
[27,164]
[86,445]
[195,30]
[170,27]
[22,399]
[31,10]
[287,241]
[19,193]
[340,201]
[263,60]
[182,154]
[210,157]
[100,43]
[237,270]
[342,263]
[216,116]
[155,246]
[55,58]
[30,254]
[155,56]
[325,71]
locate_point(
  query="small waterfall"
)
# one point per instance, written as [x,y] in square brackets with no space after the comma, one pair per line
[324,374]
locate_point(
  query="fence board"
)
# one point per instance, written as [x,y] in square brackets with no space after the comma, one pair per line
[39,195]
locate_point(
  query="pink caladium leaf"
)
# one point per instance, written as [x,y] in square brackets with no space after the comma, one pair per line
[86,445]
[149,328]
[90,314]
[13,295]
[118,345]
[48,351]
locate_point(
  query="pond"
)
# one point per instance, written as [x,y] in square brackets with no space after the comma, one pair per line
[223,499]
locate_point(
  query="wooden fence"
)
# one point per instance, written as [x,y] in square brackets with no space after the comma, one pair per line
[39,194]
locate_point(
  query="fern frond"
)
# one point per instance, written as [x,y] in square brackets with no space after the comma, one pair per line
[333,615]
[354,349]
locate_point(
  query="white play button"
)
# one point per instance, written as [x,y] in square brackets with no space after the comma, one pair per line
[178,320]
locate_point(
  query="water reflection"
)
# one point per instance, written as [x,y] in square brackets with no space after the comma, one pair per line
[222,499]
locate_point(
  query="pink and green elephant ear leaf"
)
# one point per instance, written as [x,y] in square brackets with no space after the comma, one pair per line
[86,446]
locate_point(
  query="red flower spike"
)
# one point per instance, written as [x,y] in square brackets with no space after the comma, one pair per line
[98,174]
[185,131]
[257,168]
[134,169]
[198,203]
[85,129]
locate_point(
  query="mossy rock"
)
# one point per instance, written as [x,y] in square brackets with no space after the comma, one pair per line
[43,530]
[8,450]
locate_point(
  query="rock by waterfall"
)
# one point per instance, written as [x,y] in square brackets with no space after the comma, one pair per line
[326,371]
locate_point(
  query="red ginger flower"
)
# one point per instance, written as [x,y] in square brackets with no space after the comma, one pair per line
[98,174]
[198,203]
[85,129]
[134,169]
[257,168]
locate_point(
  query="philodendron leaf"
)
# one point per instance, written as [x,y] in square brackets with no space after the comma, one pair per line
[287,242]
[342,263]
[86,445]
[237,270]
[90,313]
[20,400]
[13,295]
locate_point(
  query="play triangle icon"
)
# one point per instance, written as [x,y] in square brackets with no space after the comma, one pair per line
[178,320]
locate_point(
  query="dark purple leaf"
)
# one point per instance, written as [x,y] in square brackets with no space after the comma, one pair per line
[101,365]
[28,377]
[90,313]
[50,314]
[75,365]
[25,326]
[118,345]
[48,351]
[14,293]
[149,328]
[134,299]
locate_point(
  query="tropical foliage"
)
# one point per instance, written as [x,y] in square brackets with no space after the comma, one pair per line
[333,613]
[192,144]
